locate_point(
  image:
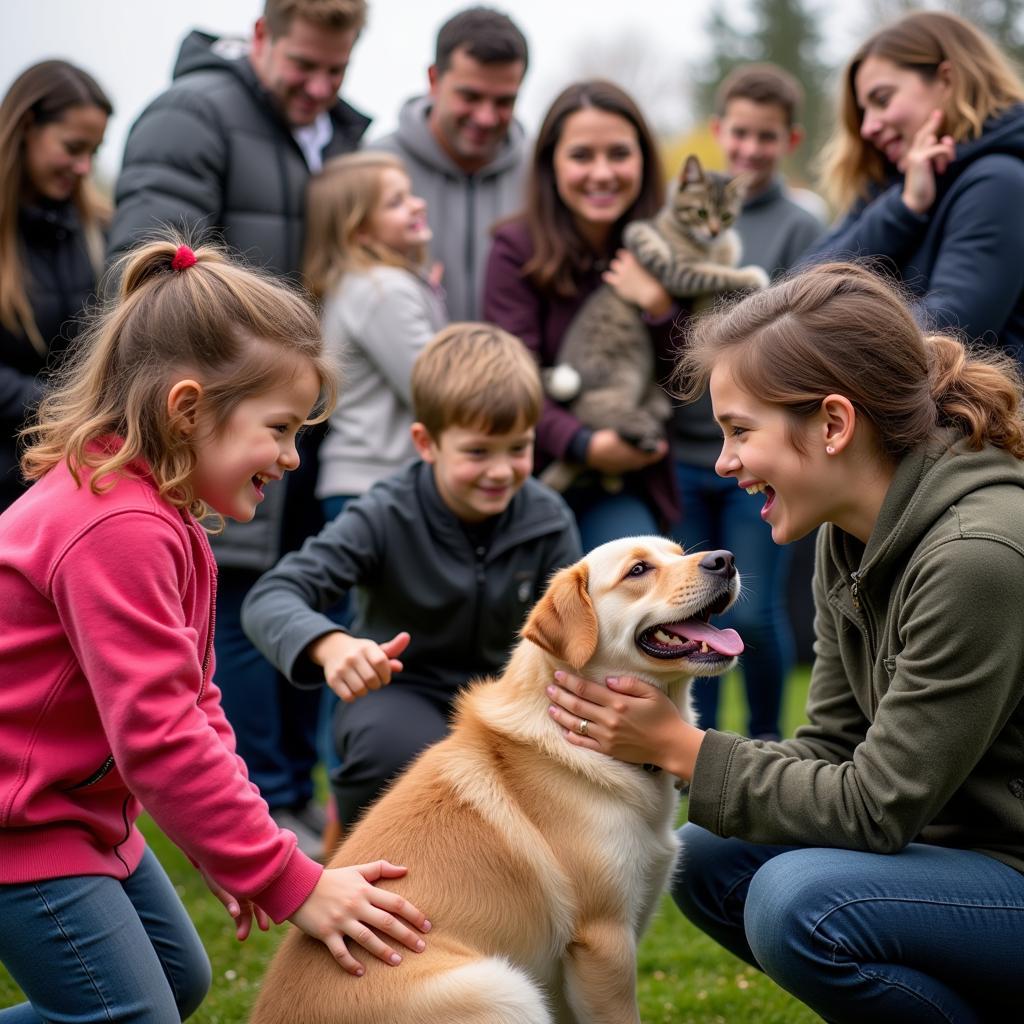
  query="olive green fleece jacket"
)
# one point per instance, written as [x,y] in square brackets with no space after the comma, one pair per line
[916,722]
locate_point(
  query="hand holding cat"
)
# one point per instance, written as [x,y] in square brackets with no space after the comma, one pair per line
[634,284]
[929,155]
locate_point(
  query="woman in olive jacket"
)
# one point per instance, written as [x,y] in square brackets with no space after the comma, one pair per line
[873,865]
[52,121]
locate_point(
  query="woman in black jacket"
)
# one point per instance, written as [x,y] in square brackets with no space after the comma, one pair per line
[52,121]
[928,160]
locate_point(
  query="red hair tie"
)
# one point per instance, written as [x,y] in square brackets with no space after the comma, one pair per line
[183,258]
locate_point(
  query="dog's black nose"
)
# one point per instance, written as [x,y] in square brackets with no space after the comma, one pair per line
[719,563]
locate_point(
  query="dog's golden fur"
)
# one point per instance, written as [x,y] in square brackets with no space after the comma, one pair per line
[538,863]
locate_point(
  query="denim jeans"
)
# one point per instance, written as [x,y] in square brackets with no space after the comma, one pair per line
[93,948]
[930,934]
[718,514]
[602,517]
[342,613]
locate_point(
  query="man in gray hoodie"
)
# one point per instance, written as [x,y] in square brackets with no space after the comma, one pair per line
[462,147]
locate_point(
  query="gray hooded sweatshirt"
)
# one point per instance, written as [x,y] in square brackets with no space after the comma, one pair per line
[461,208]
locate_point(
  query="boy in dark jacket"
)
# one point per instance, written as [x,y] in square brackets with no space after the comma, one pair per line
[445,557]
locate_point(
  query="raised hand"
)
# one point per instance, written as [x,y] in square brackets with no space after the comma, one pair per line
[928,156]
[354,666]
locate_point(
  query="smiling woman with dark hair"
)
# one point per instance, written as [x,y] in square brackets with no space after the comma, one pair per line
[52,121]
[594,168]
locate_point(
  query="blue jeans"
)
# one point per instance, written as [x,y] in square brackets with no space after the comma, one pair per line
[342,613]
[718,514]
[602,517]
[274,722]
[92,948]
[930,934]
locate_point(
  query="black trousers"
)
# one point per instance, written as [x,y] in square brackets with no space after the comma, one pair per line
[378,735]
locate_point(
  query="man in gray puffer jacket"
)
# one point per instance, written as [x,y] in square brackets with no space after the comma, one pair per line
[226,152]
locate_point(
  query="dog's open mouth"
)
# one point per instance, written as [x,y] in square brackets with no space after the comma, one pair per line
[695,638]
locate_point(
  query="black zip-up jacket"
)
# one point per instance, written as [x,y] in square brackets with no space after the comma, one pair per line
[414,567]
[60,280]
[964,258]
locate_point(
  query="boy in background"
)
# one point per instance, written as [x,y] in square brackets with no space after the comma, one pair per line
[445,558]
[757,125]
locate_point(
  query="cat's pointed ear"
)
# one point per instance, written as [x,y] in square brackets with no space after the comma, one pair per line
[692,172]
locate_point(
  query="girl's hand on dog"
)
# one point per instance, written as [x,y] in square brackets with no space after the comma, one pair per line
[628,719]
[243,911]
[354,666]
[345,902]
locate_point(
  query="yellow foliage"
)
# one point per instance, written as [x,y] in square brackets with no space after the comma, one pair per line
[699,141]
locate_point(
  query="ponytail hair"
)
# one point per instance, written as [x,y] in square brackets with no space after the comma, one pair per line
[176,313]
[838,328]
[977,392]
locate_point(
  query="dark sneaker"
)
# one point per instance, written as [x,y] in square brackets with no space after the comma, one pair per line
[313,816]
[310,842]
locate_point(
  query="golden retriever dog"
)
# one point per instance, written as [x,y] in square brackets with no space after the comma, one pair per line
[538,863]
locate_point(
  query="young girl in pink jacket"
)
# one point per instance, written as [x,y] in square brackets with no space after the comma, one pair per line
[182,402]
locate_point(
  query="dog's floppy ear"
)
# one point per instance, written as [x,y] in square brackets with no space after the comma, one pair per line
[563,621]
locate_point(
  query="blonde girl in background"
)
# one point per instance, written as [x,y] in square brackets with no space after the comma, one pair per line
[183,402]
[366,242]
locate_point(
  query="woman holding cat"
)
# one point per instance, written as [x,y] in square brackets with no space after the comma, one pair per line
[594,168]
[928,150]
[872,865]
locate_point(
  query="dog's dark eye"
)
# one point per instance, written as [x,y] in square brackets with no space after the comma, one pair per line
[639,569]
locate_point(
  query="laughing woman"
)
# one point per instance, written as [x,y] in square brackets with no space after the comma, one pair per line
[873,865]
[928,159]
[52,121]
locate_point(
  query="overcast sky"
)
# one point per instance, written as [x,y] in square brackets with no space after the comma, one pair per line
[130,48]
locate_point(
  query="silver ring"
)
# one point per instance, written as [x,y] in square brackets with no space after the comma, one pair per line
[583,727]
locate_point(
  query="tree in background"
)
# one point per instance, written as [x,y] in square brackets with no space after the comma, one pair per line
[787,33]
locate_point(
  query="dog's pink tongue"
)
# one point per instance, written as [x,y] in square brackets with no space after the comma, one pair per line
[724,641]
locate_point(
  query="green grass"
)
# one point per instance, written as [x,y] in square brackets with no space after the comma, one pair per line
[683,976]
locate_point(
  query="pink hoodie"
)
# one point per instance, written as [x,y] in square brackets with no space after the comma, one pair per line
[107,702]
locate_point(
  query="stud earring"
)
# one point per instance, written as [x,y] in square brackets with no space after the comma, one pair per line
[830,449]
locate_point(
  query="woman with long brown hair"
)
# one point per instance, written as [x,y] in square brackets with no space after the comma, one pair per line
[927,159]
[873,864]
[52,121]
[594,168]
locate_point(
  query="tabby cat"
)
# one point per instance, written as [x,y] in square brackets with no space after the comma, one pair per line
[606,365]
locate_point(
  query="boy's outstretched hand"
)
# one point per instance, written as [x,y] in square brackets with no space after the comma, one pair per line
[345,902]
[354,666]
